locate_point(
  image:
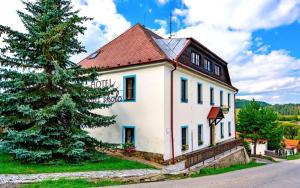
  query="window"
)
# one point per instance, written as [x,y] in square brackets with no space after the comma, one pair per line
[217,70]
[129,90]
[94,55]
[221,98]
[207,65]
[184,138]
[184,90]
[199,90]
[128,134]
[229,128]
[200,135]
[229,100]
[222,130]
[195,58]
[212,100]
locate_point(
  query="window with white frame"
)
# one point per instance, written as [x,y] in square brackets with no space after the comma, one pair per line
[217,70]
[207,65]
[195,58]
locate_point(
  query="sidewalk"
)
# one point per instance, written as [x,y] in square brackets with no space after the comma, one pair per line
[27,178]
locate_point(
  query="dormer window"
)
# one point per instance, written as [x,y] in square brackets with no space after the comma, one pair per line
[94,55]
[217,70]
[207,65]
[195,59]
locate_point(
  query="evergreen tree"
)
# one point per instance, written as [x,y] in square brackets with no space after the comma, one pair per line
[256,122]
[45,102]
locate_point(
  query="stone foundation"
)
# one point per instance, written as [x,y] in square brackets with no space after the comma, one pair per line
[157,158]
[239,156]
[154,157]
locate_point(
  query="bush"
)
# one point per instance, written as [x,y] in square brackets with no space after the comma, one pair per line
[288,118]
[128,148]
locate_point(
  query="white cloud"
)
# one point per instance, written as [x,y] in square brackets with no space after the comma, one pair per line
[225,43]
[162,2]
[242,14]
[162,23]
[226,28]
[162,31]
[9,16]
[107,23]
[250,97]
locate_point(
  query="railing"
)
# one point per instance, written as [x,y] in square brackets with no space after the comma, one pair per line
[200,156]
[277,154]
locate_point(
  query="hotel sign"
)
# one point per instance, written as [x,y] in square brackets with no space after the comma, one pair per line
[116,97]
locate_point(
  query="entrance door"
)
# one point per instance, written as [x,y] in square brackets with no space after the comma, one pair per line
[211,134]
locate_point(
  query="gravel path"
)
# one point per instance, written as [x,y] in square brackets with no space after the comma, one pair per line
[26,178]
[276,175]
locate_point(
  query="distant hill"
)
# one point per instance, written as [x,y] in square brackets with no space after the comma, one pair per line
[283,109]
[240,103]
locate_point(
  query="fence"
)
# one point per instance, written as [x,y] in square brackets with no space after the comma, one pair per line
[279,154]
[202,155]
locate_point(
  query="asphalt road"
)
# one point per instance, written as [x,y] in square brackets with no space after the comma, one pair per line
[278,175]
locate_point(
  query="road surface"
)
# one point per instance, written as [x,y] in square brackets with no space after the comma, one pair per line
[278,175]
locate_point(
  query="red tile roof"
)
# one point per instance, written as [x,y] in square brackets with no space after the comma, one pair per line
[291,143]
[139,45]
[124,51]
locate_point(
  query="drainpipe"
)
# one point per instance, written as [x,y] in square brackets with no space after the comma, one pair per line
[172,112]
[234,117]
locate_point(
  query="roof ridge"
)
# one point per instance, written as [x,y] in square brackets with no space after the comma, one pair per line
[146,31]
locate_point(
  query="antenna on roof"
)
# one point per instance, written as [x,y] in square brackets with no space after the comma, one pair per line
[144,24]
[170,25]
[171,5]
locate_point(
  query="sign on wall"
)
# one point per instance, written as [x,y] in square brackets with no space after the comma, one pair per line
[116,97]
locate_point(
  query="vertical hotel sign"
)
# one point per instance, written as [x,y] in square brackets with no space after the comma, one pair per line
[115,97]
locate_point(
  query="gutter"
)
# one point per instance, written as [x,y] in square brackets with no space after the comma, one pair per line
[235,123]
[172,111]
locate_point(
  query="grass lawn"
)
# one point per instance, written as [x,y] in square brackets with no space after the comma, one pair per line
[207,171]
[71,183]
[10,166]
[293,157]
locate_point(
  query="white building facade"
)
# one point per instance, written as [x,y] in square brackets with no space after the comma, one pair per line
[145,115]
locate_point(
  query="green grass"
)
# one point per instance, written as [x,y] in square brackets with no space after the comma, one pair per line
[10,166]
[71,183]
[293,157]
[208,171]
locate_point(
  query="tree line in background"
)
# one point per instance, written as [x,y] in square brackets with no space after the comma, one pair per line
[282,109]
[256,121]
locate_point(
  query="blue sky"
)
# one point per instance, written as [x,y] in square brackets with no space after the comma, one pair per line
[258,38]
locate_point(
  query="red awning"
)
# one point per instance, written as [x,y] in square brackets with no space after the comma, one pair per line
[215,114]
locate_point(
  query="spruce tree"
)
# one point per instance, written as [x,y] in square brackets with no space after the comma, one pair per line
[45,101]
